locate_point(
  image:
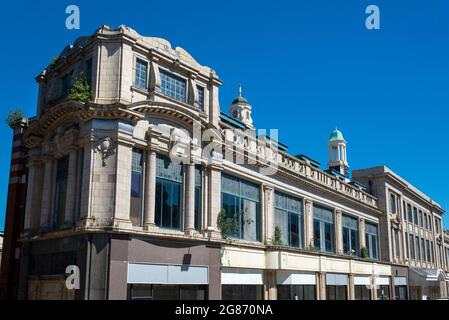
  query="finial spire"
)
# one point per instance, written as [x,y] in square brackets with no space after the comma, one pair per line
[240,90]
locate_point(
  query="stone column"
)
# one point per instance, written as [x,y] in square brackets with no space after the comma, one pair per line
[373,287]
[338,235]
[308,223]
[351,289]
[47,194]
[150,190]
[190,199]
[71,189]
[362,239]
[269,213]
[321,286]
[270,288]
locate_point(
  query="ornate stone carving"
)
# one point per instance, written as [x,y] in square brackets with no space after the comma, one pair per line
[106,148]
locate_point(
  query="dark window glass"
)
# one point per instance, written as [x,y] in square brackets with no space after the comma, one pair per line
[62,167]
[240,200]
[167,292]
[336,292]
[415,215]
[371,239]
[383,292]
[136,187]
[289,219]
[393,203]
[400,292]
[350,236]
[296,292]
[418,249]
[409,211]
[198,197]
[241,292]
[200,97]
[412,247]
[168,193]
[323,222]
[362,292]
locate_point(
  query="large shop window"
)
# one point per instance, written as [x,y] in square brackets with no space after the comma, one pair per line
[400,288]
[168,193]
[371,238]
[241,292]
[166,292]
[296,292]
[362,292]
[336,286]
[198,197]
[136,187]
[240,200]
[289,219]
[383,292]
[350,235]
[62,168]
[323,229]
[173,86]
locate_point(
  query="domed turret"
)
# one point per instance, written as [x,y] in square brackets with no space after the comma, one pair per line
[337,153]
[241,110]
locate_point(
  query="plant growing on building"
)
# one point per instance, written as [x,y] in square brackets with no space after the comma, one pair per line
[80,90]
[14,116]
[311,247]
[53,62]
[277,236]
[228,225]
[364,252]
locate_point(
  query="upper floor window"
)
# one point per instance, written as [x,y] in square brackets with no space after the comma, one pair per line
[241,203]
[200,97]
[437,225]
[169,177]
[371,239]
[420,218]
[173,86]
[427,251]
[415,215]
[418,249]
[403,210]
[198,197]
[135,214]
[425,220]
[62,170]
[409,212]
[323,229]
[412,247]
[288,216]
[141,75]
[350,235]
[393,203]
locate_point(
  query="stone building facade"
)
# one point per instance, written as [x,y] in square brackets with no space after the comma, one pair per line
[153,192]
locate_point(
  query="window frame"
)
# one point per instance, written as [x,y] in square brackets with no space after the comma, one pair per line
[147,80]
[162,70]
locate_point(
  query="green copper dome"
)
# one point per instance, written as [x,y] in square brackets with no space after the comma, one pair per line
[336,135]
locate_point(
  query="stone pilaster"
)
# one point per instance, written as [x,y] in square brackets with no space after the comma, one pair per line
[321,285]
[123,186]
[34,195]
[338,234]
[269,213]
[71,189]
[190,199]
[214,197]
[270,288]
[150,190]
[308,223]
[362,239]
[47,187]
[351,289]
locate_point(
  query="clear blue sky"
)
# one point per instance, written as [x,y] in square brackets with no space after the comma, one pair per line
[306,67]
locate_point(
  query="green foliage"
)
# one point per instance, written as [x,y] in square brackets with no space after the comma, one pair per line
[53,62]
[226,224]
[229,225]
[277,236]
[312,247]
[14,116]
[80,90]
[364,252]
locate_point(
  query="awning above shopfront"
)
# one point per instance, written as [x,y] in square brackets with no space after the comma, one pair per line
[429,274]
[295,278]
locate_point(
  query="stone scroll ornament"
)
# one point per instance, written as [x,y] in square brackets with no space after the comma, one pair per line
[106,148]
